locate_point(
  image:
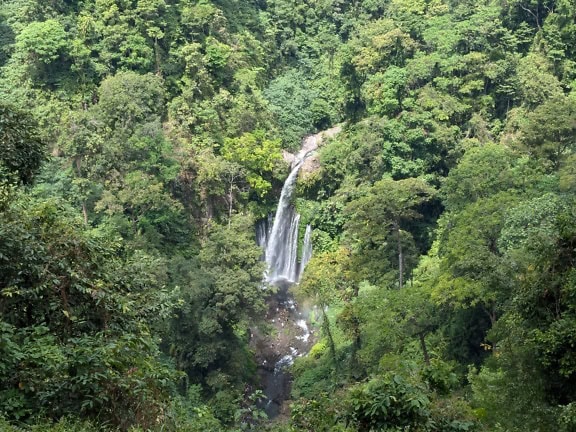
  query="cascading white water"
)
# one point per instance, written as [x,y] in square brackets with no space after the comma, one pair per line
[263,232]
[282,242]
[279,238]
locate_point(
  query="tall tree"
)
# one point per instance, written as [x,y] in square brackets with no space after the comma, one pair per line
[385,211]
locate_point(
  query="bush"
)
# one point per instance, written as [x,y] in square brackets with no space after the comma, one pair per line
[387,402]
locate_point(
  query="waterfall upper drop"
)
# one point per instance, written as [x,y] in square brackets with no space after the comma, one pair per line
[279,237]
[281,242]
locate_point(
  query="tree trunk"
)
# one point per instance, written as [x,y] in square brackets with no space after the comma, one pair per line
[231,178]
[230,201]
[400,256]
[491,312]
[326,328]
[78,163]
[424,349]
[157,57]
[85,212]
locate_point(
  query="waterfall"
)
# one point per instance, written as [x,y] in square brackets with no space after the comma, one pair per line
[263,232]
[281,241]
[279,236]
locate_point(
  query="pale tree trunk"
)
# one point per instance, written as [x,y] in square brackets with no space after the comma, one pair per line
[85,212]
[491,312]
[422,337]
[230,204]
[326,327]
[400,256]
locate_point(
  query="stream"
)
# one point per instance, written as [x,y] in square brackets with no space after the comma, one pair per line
[289,338]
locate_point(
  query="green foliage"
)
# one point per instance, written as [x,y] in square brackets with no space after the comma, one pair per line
[129,98]
[302,105]
[314,377]
[383,213]
[20,147]
[42,42]
[78,322]
[567,418]
[318,414]
[219,301]
[511,399]
[440,376]
[549,130]
[387,403]
[63,425]
[136,244]
[290,102]
[257,154]
[482,172]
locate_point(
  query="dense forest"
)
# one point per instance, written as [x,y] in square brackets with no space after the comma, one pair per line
[142,140]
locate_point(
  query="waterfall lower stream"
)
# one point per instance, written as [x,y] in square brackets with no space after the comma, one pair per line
[288,338]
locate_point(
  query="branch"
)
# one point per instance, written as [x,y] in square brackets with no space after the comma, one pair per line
[533,14]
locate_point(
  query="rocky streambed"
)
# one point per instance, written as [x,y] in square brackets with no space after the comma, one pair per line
[287,338]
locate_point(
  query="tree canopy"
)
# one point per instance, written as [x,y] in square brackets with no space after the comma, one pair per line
[141,142]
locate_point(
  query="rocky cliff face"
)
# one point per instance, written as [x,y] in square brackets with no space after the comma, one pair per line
[309,144]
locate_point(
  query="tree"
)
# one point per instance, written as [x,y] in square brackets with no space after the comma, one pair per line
[39,45]
[482,172]
[257,154]
[80,312]
[221,298]
[128,99]
[326,281]
[291,97]
[21,152]
[143,200]
[42,41]
[549,130]
[536,81]
[387,207]
[473,268]
[381,44]
[387,402]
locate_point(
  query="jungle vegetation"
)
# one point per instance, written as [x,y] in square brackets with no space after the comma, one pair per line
[140,140]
